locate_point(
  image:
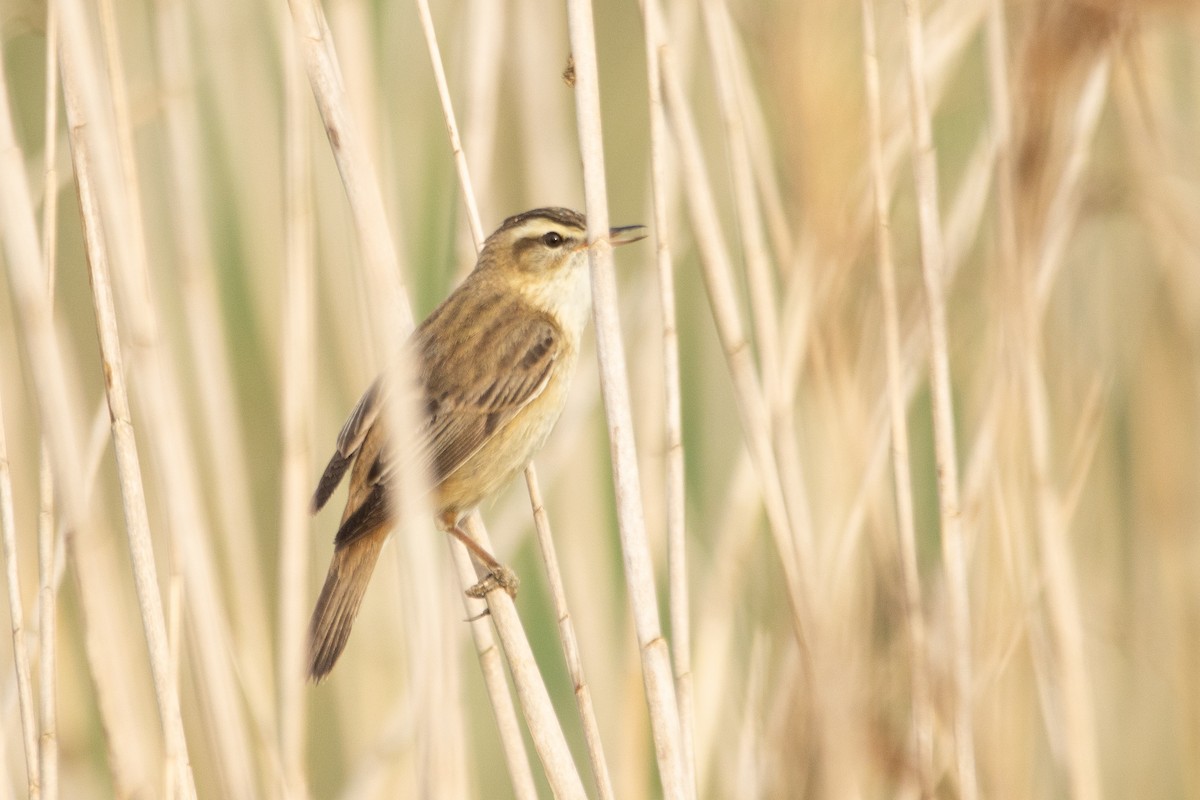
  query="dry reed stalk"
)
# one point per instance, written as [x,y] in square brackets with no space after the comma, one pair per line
[747,779]
[443,90]
[1038,264]
[962,219]
[484,51]
[570,643]
[951,29]
[933,267]
[657,676]
[358,177]
[95,575]
[126,761]
[385,311]
[47,629]
[923,715]
[1082,454]
[540,720]
[491,668]
[47,539]
[677,567]
[758,272]
[754,173]
[546,141]
[55,402]
[177,775]
[296,421]
[8,530]
[117,192]
[35,313]
[716,625]
[209,363]
[1063,209]
[792,543]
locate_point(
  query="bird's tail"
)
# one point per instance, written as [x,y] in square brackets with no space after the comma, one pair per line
[349,572]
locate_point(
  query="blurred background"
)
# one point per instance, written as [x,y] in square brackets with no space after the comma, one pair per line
[1068,185]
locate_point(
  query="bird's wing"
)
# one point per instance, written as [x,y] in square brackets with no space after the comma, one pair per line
[492,378]
[349,440]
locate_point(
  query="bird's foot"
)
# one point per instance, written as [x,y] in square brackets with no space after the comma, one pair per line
[500,577]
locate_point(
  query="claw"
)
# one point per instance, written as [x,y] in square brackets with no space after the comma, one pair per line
[499,578]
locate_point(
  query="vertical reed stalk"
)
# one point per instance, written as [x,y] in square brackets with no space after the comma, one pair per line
[177,770]
[922,701]
[570,643]
[8,532]
[792,545]
[639,571]
[677,567]
[933,270]
[296,419]
[47,549]
[540,719]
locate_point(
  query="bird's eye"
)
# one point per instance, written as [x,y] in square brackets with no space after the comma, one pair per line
[552,239]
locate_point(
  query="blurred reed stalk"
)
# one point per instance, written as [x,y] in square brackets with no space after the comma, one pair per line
[177,779]
[954,552]
[678,591]
[299,383]
[657,674]
[922,702]
[48,551]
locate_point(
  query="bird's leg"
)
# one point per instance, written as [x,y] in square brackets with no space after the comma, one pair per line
[498,577]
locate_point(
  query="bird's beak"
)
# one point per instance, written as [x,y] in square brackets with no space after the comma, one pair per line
[626,235]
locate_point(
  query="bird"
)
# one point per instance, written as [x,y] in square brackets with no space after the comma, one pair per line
[493,363]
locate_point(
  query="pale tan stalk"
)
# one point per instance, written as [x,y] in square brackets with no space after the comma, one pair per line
[778,396]
[766,173]
[27,282]
[484,53]
[962,220]
[388,316]
[724,578]
[1038,264]
[491,666]
[298,389]
[178,775]
[117,197]
[357,172]
[759,273]
[933,268]
[47,552]
[8,530]
[914,615]
[639,571]
[546,141]
[443,89]
[747,779]
[1063,208]
[570,643]
[792,544]
[677,567]
[545,731]
[208,364]
[24,260]
[384,312]
[48,575]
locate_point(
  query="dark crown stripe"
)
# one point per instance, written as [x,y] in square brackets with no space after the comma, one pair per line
[563,216]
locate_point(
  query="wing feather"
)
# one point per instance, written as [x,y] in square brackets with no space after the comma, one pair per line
[497,377]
